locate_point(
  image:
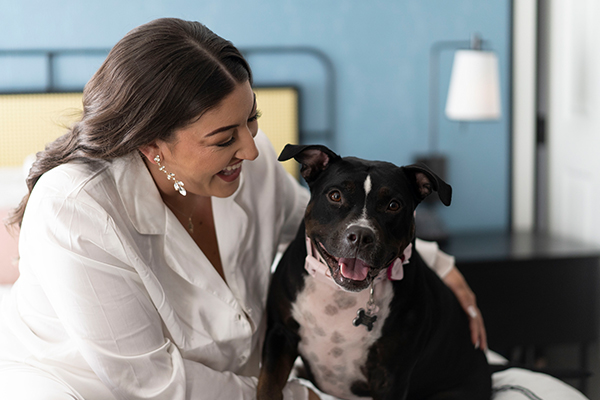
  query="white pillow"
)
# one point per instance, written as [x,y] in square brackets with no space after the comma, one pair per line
[522,384]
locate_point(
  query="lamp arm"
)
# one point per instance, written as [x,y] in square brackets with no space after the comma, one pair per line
[434,83]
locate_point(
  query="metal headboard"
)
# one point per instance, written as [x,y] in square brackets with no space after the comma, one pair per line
[328,133]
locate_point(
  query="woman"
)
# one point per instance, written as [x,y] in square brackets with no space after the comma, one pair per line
[148,234]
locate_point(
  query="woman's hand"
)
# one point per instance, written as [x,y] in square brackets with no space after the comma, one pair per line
[456,282]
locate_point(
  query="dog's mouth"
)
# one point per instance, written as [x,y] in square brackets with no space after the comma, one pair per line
[352,274]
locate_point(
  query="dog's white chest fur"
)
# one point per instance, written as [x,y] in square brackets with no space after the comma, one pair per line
[335,349]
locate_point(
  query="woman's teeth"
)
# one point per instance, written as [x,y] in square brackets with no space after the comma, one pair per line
[231,169]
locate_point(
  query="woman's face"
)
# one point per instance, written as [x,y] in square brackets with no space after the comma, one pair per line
[207,155]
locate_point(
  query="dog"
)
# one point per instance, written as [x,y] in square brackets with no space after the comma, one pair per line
[353,298]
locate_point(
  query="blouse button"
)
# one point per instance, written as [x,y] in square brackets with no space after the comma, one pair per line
[239,317]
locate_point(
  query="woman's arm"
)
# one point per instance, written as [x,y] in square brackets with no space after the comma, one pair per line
[456,282]
[443,265]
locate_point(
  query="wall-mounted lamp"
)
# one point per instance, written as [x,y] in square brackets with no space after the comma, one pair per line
[473,95]
[474,92]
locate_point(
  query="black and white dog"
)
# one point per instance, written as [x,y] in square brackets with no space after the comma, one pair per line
[366,315]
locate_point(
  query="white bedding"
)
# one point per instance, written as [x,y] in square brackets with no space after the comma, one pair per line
[3,290]
[519,384]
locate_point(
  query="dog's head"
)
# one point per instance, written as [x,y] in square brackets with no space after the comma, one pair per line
[361,213]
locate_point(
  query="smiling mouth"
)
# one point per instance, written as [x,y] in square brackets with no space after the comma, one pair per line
[231,169]
[350,273]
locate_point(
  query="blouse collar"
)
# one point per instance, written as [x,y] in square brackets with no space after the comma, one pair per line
[141,198]
[139,194]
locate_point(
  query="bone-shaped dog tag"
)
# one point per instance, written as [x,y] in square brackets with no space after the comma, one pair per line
[369,316]
[364,318]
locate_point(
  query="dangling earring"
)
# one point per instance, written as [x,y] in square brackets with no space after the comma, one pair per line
[178,185]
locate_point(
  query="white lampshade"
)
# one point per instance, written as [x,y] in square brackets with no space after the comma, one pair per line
[474,92]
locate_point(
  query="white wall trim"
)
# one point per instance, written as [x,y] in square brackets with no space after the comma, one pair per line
[524,114]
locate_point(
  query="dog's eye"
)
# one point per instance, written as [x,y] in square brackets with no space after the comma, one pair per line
[394,205]
[335,196]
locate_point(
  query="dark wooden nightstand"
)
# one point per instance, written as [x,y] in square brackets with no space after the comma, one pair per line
[534,291]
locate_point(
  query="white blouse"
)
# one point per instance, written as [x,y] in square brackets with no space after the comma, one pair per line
[116,301]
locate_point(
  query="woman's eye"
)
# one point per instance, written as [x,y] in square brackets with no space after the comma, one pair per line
[227,143]
[335,196]
[394,205]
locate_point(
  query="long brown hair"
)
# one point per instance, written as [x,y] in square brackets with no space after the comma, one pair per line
[161,76]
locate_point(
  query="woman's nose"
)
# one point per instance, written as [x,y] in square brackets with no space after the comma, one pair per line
[248,149]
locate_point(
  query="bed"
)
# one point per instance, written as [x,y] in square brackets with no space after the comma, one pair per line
[279,107]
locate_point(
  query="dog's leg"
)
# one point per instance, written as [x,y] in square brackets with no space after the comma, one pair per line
[279,354]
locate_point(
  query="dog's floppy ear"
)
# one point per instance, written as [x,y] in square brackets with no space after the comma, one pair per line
[426,182]
[314,159]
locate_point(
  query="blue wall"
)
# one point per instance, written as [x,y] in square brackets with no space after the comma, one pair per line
[380,49]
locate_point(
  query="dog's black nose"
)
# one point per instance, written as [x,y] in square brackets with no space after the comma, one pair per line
[359,236]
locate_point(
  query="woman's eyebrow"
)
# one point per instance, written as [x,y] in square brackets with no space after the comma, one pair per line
[222,129]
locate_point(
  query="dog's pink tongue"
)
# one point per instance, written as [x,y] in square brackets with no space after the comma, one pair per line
[353,268]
